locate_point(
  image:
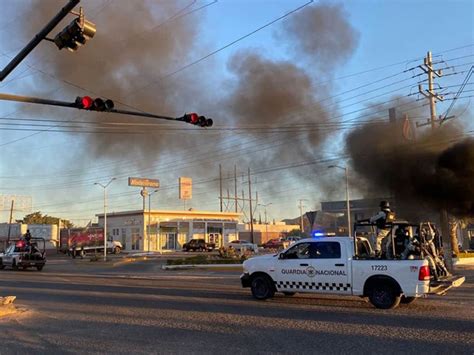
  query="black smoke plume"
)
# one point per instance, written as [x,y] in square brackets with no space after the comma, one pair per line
[268,93]
[433,172]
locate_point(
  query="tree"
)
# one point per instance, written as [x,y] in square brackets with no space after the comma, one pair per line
[296,233]
[38,218]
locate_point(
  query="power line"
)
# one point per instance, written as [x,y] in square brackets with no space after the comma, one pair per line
[137,90]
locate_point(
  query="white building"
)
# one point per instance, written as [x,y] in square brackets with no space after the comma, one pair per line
[49,232]
[168,230]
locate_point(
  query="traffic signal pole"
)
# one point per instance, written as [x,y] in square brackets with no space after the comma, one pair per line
[36,100]
[38,38]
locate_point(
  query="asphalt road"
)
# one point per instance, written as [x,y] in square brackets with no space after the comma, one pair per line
[138,308]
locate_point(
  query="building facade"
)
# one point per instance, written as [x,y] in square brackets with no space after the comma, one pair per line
[49,232]
[158,230]
[264,232]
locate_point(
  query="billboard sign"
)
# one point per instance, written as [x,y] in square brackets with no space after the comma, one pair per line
[20,202]
[143,182]
[81,237]
[185,188]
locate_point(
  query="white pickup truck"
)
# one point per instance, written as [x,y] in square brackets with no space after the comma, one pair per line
[329,265]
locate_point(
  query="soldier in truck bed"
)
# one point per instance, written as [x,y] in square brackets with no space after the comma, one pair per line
[380,219]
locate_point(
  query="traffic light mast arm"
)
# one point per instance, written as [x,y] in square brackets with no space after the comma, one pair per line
[145,114]
[38,38]
[36,100]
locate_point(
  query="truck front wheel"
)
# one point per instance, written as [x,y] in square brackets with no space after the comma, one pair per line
[384,296]
[262,287]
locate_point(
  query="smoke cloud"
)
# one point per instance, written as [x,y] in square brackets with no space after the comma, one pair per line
[136,45]
[322,34]
[275,93]
[432,172]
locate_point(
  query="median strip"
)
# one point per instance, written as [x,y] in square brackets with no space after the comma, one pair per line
[6,305]
[203,266]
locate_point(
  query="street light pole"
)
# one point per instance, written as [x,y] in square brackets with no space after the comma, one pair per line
[105,214]
[348,208]
[149,217]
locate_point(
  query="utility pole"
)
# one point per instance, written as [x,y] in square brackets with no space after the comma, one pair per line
[235,189]
[251,210]
[10,223]
[220,186]
[448,240]
[430,94]
[301,214]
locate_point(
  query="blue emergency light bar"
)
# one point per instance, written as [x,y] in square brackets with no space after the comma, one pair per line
[319,234]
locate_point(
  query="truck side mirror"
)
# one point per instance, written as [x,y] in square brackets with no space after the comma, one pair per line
[281,256]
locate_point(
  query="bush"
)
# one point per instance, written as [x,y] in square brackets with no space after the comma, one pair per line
[203,260]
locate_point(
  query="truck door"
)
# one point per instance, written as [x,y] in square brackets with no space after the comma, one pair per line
[293,269]
[7,258]
[330,267]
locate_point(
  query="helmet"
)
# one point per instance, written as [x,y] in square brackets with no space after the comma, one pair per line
[384,205]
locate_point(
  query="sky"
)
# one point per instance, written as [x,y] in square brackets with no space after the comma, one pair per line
[283,94]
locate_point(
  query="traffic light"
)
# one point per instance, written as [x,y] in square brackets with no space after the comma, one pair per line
[76,34]
[98,104]
[197,120]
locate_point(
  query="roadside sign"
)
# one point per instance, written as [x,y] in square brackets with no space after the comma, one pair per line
[185,188]
[143,182]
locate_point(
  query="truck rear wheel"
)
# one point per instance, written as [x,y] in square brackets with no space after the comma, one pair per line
[262,287]
[14,265]
[39,267]
[117,250]
[384,296]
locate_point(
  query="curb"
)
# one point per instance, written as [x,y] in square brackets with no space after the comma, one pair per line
[202,266]
[463,261]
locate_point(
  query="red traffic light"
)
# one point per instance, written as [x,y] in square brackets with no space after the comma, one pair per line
[197,120]
[98,104]
[84,102]
[87,102]
[193,118]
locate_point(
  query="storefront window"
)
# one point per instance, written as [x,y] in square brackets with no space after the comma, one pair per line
[124,238]
[135,238]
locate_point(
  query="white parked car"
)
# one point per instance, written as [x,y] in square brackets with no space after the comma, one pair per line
[243,245]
